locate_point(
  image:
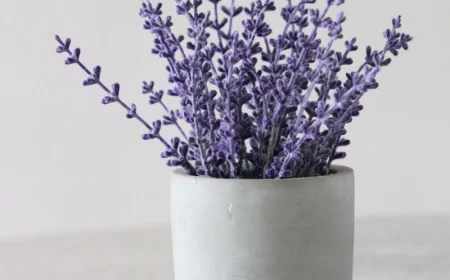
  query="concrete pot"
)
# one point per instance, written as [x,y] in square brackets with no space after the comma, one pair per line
[297,229]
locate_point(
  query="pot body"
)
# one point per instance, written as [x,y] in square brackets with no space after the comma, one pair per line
[226,229]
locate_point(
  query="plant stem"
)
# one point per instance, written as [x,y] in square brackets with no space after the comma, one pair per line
[188,165]
[230,26]
[216,22]
[175,119]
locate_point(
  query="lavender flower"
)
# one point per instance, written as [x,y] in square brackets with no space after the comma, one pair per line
[257,105]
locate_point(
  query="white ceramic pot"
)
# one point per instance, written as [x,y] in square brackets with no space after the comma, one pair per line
[296,229]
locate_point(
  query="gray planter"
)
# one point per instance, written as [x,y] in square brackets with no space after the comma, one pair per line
[298,229]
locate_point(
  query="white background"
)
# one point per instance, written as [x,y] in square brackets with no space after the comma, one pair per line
[69,163]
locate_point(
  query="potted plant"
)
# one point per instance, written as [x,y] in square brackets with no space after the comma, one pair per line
[256,196]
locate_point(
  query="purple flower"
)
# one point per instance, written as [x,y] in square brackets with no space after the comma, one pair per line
[256,104]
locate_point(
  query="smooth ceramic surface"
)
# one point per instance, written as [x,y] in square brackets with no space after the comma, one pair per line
[263,229]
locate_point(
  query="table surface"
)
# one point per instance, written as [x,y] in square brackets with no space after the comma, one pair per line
[385,249]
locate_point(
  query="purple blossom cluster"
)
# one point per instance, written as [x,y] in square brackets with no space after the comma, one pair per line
[257,105]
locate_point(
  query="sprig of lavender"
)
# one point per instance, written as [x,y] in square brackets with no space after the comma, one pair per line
[156,97]
[249,97]
[113,97]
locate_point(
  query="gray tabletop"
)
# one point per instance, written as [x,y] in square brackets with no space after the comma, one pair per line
[386,249]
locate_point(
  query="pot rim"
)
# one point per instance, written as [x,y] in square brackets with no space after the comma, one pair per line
[338,170]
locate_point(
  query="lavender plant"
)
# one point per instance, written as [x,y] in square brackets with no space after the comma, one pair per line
[257,105]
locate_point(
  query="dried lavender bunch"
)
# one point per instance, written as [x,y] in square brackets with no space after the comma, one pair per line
[257,105]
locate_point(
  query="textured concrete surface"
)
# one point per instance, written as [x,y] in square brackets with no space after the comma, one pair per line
[263,229]
[386,249]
